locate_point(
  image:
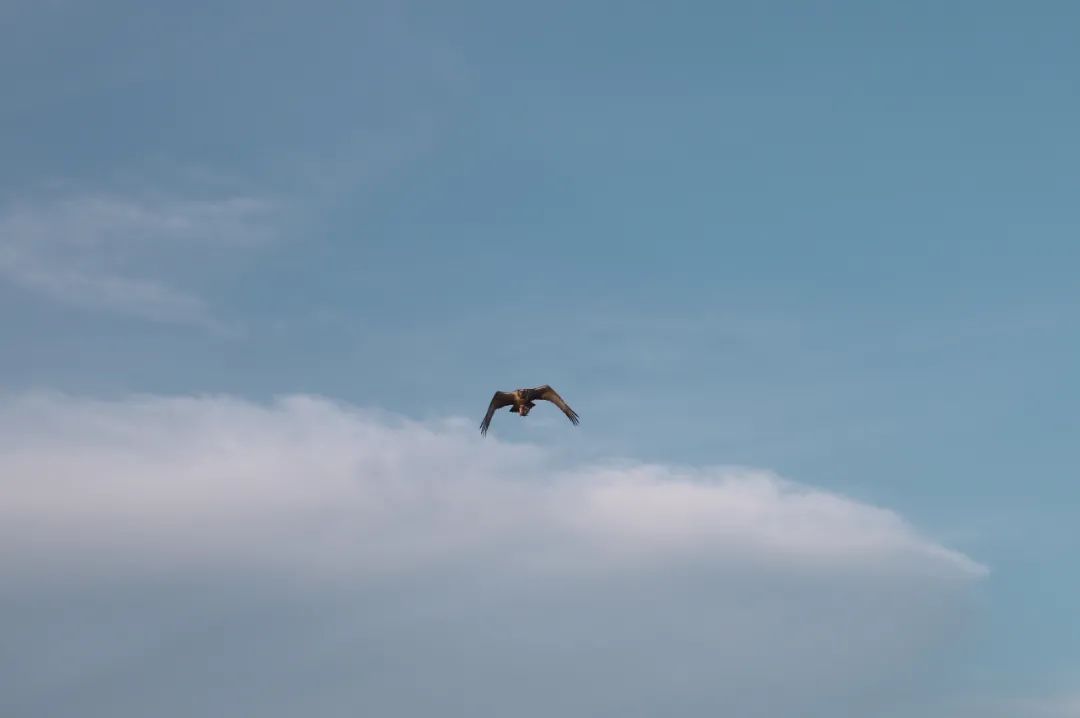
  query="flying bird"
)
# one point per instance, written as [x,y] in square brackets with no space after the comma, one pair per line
[521,401]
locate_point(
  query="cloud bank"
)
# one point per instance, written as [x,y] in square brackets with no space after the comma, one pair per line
[209,556]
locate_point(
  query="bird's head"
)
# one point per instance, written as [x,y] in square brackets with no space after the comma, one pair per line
[524,410]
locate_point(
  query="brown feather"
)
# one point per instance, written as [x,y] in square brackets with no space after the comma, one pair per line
[546,393]
[498,401]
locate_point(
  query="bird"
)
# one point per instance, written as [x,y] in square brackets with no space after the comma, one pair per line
[521,401]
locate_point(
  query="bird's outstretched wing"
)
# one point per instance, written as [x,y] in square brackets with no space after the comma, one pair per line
[546,393]
[498,401]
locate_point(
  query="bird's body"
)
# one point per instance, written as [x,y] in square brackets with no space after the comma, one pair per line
[521,401]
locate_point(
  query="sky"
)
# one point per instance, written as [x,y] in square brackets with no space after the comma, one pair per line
[806,272]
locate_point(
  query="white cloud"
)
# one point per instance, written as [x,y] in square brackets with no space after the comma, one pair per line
[107,251]
[362,564]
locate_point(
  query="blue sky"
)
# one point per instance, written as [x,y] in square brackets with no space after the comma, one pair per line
[834,242]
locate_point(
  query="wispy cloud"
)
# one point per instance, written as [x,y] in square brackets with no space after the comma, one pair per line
[993,702]
[352,562]
[107,251]
[1063,706]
